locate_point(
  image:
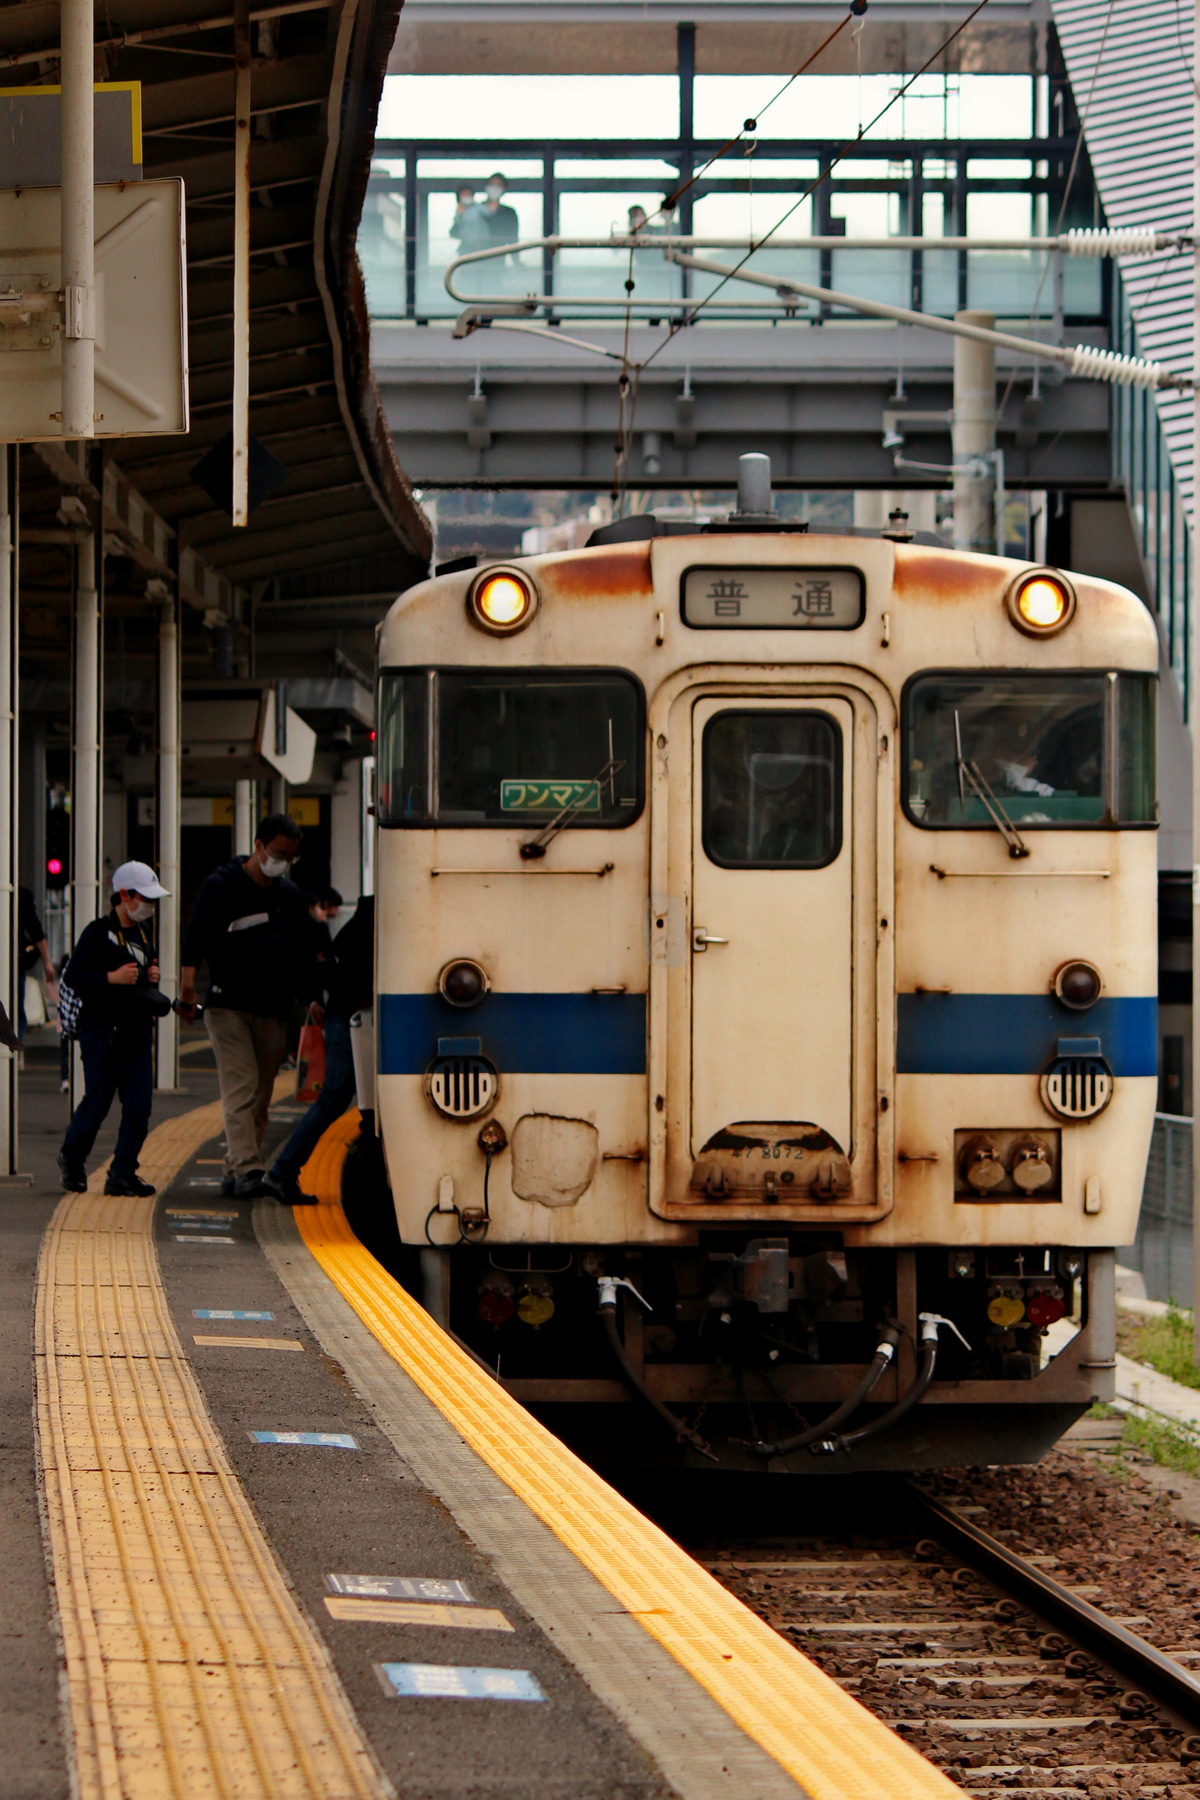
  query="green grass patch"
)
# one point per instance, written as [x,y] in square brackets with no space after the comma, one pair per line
[1163,1443]
[1164,1344]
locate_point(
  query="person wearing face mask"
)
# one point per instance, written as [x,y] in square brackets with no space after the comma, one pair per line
[323,908]
[469,226]
[251,926]
[499,220]
[114,970]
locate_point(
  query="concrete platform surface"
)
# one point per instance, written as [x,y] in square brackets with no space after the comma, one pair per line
[251,1548]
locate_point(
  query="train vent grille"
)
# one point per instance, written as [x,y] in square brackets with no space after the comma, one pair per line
[461,1087]
[1077,1087]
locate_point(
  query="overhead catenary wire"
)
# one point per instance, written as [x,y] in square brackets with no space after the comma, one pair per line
[857,9]
[1080,360]
[678,325]
[671,201]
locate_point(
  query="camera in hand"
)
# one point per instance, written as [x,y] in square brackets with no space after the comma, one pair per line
[155,999]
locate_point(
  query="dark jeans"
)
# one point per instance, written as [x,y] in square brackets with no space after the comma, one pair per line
[337,1092]
[114,1062]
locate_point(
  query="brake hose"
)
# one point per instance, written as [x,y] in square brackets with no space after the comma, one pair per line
[608,1313]
[930,1322]
[885,1350]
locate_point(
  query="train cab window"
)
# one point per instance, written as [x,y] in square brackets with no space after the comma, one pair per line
[1049,751]
[515,747]
[772,790]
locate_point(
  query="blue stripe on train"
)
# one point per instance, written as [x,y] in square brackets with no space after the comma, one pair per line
[523,1034]
[605,1034]
[1017,1034]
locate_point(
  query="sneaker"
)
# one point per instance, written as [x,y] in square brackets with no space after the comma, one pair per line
[249,1186]
[286,1189]
[129,1187]
[74,1175]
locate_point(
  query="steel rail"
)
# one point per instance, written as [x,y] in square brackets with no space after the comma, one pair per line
[1156,1673]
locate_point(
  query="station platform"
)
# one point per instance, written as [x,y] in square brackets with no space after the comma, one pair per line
[268,1532]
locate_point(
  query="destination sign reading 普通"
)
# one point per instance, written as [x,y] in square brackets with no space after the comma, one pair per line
[774,598]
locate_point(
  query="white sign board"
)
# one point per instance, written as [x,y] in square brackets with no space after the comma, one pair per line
[295,760]
[141,312]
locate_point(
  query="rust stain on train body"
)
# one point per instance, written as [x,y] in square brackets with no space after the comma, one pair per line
[926,574]
[618,569]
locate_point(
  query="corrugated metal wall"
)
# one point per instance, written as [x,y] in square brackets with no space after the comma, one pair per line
[1130,70]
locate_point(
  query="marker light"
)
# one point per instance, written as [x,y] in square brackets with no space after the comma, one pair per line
[463,983]
[1041,602]
[502,600]
[1078,985]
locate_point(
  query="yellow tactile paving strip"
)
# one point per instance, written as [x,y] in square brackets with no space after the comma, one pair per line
[825,1740]
[192,1674]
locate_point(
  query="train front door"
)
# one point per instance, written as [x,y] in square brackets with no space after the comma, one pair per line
[772,923]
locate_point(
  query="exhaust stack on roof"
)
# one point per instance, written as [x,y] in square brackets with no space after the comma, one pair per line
[754,488]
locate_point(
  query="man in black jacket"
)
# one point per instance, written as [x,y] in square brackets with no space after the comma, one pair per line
[251,926]
[350,979]
[114,970]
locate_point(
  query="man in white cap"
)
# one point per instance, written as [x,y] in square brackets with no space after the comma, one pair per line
[114,970]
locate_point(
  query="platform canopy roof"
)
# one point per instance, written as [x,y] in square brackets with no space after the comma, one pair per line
[317,73]
[733,37]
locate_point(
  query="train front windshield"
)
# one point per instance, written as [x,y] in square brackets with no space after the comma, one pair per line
[1053,750]
[486,747]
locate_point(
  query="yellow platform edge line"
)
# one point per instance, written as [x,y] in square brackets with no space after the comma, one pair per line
[142,1726]
[829,1743]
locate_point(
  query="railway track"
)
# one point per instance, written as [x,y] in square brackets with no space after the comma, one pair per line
[1004,1675]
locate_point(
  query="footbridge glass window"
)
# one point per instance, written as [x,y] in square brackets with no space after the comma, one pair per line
[772,790]
[1042,751]
[520,747]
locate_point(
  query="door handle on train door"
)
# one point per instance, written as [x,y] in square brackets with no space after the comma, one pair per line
[701,939]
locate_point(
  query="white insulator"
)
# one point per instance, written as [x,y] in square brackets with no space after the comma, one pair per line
[1106,365]
[1138,241]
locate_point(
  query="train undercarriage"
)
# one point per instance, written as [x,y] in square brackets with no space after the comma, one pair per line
[727,1352]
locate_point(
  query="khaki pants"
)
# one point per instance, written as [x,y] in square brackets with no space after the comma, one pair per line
[249,1050]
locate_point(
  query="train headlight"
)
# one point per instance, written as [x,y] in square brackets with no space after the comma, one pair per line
[1078,985]
[502,600]
[1040,602]
[463,982]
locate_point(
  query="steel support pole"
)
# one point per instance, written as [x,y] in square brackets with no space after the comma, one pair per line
[243,818]
[11,972]
[685,68]
[167,823]
[240,507]
[87,766]
[1193,699]
[78,219]
[973,434]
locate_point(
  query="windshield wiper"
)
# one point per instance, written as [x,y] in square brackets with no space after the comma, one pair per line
[970,775]
[535,847]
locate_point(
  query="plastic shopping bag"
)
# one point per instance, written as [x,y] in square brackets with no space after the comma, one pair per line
[310,1061]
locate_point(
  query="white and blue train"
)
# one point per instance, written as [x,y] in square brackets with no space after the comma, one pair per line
[766,966]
